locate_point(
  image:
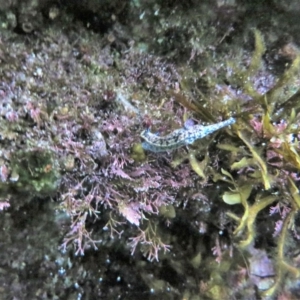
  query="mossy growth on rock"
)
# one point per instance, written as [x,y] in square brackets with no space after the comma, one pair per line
[34,171]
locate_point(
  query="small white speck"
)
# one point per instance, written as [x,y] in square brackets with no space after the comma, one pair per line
[142,15]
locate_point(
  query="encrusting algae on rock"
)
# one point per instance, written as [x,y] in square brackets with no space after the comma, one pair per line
[200,214]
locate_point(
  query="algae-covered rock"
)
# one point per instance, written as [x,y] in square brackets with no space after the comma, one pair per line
[35,170]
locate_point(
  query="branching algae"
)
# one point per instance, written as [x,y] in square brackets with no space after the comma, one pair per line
[268,170]
[264,159]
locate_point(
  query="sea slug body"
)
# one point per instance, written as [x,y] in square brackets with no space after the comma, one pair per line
[180,137]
